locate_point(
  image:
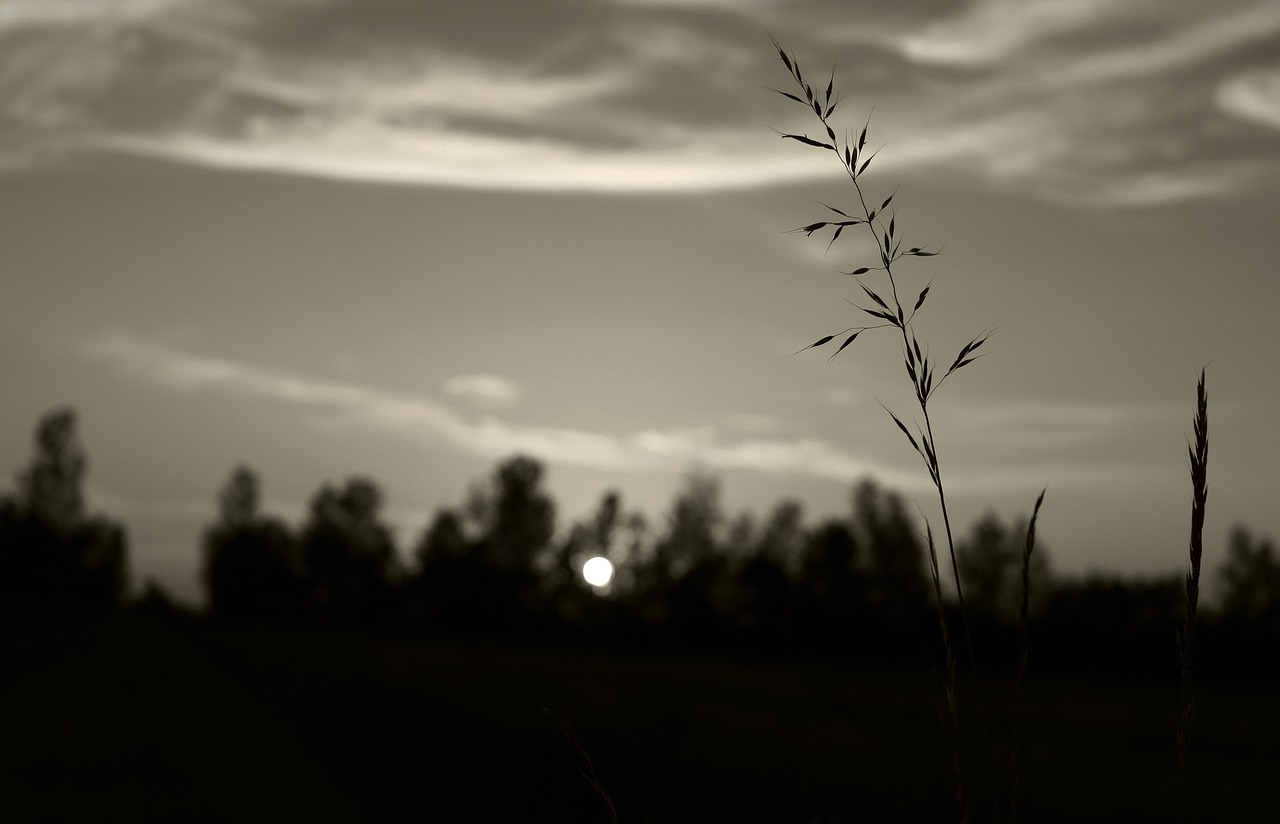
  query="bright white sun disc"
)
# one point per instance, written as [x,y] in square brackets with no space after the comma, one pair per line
[597,571]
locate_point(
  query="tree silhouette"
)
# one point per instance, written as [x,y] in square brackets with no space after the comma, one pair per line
[567,599]
[49,547]
[488,581]
[631,551]
[694,524]
[1105,623]
[783,537]
[683,585]
[349,555]
[52,482]
[832,587]
[520,517]
[252,565]
[763,588]
[561,586]
[1250,583]
[451,577]
[990,560]
[896,583]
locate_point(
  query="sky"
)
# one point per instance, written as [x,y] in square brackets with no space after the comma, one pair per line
[407,240]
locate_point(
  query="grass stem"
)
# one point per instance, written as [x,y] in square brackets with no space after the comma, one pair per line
[1024,608]
[1199,455]
[854,159]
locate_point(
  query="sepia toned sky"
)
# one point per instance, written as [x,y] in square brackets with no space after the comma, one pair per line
[408,239]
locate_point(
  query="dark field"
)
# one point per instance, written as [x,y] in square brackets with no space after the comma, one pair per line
[124,718]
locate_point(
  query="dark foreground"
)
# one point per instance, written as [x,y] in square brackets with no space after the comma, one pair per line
[121,718]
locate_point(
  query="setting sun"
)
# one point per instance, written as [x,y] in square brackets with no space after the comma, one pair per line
[597,571]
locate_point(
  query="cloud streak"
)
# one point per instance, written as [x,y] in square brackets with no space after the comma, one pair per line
[1056,427]
[427,420]
[342,405]
[484,391]
[1062,99]
[1252,96]
[339,406]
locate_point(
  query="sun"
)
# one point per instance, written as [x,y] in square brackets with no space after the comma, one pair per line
[597,571]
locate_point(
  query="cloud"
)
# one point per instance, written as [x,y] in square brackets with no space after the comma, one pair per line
[484,391]
[345,404]
[1195,182]
[1058,99]
[752,423]
[1055,426]
[116,505]
[992,30]
[1115,477]
[17,14]
[1077,37]
[842,396]
[477,161]
[735,6]
[1253,96]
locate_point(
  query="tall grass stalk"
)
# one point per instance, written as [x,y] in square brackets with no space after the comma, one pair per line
[1199,455]
[587,769]
[1024,650]
[890,311]
[583,762]
[950,714]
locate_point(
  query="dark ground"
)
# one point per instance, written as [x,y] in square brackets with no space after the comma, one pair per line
[125,718]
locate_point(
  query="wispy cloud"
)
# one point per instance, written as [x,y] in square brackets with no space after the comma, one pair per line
[842,396]
[1055,427]
[101,499]
[36,13]
[1057,430]
[1252,96]
[485,391]
[1090,101]
[346,404]
[736,6]
[991,30]
[1117,477]
[1200,40]
[752,423]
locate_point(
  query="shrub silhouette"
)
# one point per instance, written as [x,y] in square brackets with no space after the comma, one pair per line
[50,548]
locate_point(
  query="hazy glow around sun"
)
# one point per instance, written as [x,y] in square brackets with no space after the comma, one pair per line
[597,571]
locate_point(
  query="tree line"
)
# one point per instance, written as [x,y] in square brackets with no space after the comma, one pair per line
[498,565]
